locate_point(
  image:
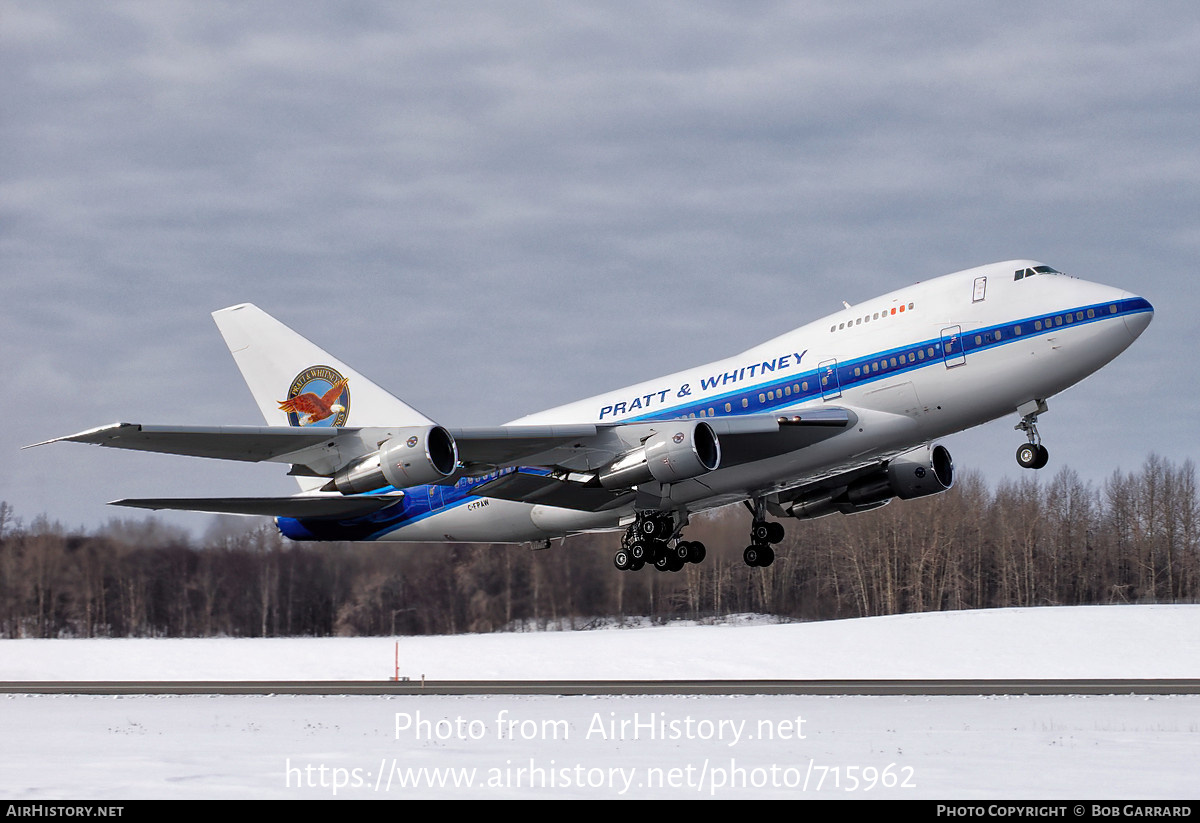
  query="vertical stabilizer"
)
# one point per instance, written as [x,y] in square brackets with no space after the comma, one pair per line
[296,383]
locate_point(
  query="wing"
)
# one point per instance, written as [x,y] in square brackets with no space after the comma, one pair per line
[609,469]
[591,467]
[249,443]
[323,451]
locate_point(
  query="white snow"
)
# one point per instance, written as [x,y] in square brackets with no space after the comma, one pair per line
[964,748]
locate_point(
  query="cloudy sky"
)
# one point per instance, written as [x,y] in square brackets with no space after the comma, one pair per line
[496,208]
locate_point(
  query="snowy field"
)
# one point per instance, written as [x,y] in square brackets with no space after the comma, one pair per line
[967,748]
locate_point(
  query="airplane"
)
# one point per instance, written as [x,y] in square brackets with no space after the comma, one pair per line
[838,416]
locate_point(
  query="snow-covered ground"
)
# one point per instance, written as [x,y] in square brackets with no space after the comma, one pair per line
[967,748]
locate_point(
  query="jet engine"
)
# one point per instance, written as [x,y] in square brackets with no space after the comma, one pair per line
[681,451]
[412,457]
[917,473]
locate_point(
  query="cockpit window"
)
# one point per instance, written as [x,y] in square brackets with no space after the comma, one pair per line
[1022,273]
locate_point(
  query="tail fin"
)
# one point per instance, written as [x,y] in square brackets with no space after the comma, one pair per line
[296,383]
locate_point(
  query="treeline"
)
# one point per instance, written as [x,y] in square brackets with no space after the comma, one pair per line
[1056,541]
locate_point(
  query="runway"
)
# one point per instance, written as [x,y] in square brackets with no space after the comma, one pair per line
[1098,686]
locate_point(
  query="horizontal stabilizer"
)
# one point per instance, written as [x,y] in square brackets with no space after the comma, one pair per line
[313,507]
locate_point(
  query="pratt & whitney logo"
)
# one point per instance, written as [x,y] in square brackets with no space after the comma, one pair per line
[319,396]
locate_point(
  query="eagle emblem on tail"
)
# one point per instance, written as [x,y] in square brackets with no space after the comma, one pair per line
[318,396]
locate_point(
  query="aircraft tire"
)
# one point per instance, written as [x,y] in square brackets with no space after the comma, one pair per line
[767,557]
[775,532]
[1043,457]
[751,554]
[622,560]
[696,552]
[1027,455]
[662,562]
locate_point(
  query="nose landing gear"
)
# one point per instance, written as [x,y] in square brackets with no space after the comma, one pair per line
[1031,455]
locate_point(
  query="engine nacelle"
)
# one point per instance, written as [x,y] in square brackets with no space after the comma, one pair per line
[917,473]
[412,457]
[682,450]
[921,472]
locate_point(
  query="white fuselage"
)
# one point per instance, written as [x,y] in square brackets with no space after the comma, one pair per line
[914,365]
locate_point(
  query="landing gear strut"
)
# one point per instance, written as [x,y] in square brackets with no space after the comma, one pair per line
[1031,455]
[762,534]
[648,541]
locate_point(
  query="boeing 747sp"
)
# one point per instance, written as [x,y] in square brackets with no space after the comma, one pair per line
[838,416]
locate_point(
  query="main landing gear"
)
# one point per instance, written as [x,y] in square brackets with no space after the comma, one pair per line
[1031,455]
[762,535]
[649,542]
[654,540]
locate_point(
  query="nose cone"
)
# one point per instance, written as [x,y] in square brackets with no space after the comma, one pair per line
[1137,321]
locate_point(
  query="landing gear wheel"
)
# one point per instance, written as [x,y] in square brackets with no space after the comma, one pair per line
[696,552]
[639,551]
[676,563]
[637,565]
[758,555]
[622,560]
[1032,456]
[682,550]
[1043,457]
[662,562]
[764,532]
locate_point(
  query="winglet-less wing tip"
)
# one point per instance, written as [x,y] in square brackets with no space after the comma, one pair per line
[86,436]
